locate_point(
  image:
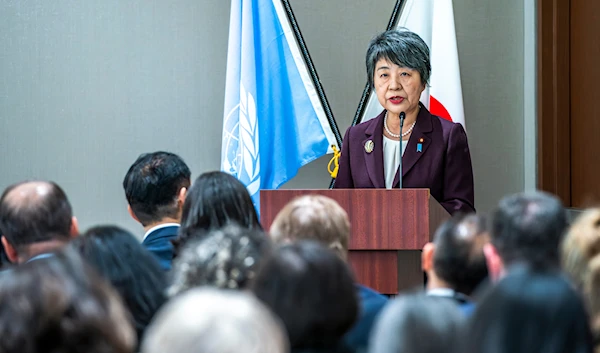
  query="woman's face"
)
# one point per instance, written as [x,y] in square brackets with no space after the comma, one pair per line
[398,88]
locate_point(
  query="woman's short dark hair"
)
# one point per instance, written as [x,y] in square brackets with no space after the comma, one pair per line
[530,312]
[224,258]
[57,304]
[216,199]
[312,290]
[403,48]
[118,257]
[416,323]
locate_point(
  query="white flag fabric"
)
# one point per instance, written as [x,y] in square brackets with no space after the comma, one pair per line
[433,20]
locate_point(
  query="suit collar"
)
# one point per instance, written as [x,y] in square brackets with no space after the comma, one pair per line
[421,134]
[449,293]
[374,159]
[40,257]
[159,227]
[424,123]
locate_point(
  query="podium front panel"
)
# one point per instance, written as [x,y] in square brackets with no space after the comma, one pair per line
[388,230]
[380,219]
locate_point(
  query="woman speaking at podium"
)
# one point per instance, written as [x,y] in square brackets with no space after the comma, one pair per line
[435,153]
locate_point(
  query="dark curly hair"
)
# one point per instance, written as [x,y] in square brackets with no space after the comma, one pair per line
[223,258]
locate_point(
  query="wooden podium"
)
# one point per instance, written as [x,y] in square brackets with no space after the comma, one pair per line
[388,230]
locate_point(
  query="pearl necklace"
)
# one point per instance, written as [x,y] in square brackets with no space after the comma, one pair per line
[394,135]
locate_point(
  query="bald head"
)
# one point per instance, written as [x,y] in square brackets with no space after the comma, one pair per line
[26,194]
[458,258]
[33,212]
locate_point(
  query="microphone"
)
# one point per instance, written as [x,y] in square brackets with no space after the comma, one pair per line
[402,117]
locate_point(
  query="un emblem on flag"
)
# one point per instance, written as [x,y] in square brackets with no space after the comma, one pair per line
[241,142]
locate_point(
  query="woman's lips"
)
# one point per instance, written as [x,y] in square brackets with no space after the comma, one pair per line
[396,100]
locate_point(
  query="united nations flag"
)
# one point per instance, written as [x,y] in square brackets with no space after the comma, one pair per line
[274,121]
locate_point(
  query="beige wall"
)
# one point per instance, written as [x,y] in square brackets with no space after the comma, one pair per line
[87,86]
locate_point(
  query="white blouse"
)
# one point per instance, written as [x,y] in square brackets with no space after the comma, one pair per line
[391,159]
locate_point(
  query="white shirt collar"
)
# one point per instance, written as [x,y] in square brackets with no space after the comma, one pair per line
[40,256]
[441,292]
[160,226]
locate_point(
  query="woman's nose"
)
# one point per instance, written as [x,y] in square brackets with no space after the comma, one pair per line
[395,83]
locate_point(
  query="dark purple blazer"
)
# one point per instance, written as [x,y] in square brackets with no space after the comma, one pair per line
[443,166]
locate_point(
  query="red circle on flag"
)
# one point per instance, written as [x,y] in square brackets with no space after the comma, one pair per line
[438,108]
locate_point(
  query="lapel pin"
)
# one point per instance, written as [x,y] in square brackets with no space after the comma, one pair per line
[369,145]
[420,145]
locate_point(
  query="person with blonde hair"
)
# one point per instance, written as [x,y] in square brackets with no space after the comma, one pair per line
[313,217]
[580,257]
[322,219]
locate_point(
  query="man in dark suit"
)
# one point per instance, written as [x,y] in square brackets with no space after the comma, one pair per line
[36,219]
[527,229]
[155,187]
[454,261]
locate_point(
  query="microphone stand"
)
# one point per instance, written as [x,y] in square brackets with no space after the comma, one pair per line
[402,117]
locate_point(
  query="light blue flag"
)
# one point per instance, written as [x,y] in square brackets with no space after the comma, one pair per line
[274,122]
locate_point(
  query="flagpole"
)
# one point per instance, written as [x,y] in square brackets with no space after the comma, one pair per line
[362,104]
[313,72]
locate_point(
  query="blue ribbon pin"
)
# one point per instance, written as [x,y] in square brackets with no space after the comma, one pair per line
[419,147]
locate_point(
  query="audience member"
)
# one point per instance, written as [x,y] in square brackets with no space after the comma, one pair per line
[527,228]
[215,321]
[454,261]
[530,312]
[36,219]
[4,261]
[581,261]
[223,258]
[418,324]
[208,234]
[134,272]
[156,186]
[312,290]
[215,200]
[319,218]
[56,304]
